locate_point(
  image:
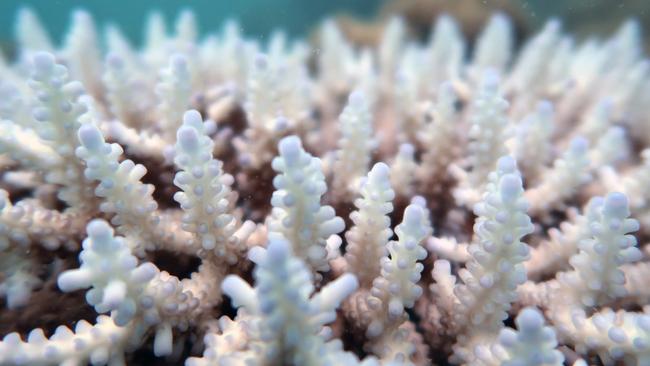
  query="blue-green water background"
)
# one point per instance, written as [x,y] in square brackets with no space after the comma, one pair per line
[259,17]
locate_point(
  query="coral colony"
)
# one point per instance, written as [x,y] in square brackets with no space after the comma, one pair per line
[409,204]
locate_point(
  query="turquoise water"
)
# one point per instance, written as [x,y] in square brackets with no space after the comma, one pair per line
[258,18]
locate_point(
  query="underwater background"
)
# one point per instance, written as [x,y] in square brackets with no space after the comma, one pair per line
[299,17]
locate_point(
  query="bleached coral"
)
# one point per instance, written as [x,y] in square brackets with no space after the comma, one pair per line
[100,343]
[496,268]
[120,78]
[31,35]
[59,112]
[439,139]
[174,91]
[83,52]
[124,194]
[163,166]
[381,312]
[531,344]
[206,197]
[355,147]
[494,45]
[596,277]
[297,214]
[532,141]
[286,325]
[367,238]
[552,254]
[404,168]
[445,51]
[568,173]
[531,70]
[390,48]
[15,265]
[489,129]
[119,290]
[396,288]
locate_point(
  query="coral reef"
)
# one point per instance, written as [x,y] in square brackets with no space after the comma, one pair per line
[227,201]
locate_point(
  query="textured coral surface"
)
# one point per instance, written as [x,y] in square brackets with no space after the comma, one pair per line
[231,201]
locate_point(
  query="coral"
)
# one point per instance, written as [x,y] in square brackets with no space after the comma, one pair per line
[297,214]
[285,322]
[396,288]
[532,144]
[532,343]
[236,201]
[489,130]
[568,173]
[355,146]
[119,290]
[123,193]
[367,238]
[174,91]
[206,196]
[492,275]
[494,46]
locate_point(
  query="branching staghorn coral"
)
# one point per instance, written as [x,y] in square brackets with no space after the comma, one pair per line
[552,254]
[380,312]
[532,145]
[83,53]
[404,168]
[355,146]
[174,91]
[138,186]
[396,288]
[489,130]
[297,214]
[367,238]
[596,264]
[438,138]
[286,325]
[494,46]
[119,185]
[597,278]
[568,173]
[532,343]
[206,198]
[492,275]
[59,113]
[445,51]
[105,254]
